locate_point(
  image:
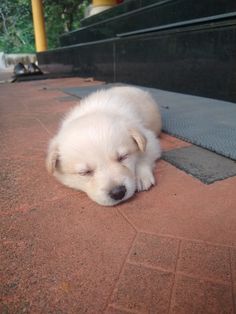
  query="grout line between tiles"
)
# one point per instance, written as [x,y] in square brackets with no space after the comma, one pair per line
[127,220]
[43,126]
[176,272]
[148,266]
[232,281]
[120,272]
[216,281]
[124,309]
[186,239]
[174,279]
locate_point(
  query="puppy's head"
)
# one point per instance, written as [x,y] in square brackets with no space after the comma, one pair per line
[97,155]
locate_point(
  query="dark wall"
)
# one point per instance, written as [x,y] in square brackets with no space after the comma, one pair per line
[194,56]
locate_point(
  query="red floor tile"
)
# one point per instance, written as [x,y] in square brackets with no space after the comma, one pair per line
[205,261]
[112,310]
[169,142]
[143,289]
[198,296]
[155,251]
[12,121]
[182,206]
[62,253]
[233,264]
[63,256]
[23,186]
[24,143]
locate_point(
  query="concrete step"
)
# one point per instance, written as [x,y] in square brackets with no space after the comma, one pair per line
[194,58]
[149,15]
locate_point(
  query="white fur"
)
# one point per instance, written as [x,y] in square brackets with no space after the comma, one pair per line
[106,125]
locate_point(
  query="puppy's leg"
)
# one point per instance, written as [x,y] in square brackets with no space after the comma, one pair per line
[146,163]
[144,176]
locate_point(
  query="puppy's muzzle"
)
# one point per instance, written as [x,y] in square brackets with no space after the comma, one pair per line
[118,192]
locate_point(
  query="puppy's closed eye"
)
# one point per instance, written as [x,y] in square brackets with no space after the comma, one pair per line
[86,172]
[121,158]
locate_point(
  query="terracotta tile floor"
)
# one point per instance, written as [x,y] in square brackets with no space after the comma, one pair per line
[169,250]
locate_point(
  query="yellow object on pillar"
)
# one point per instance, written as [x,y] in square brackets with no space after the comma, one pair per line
[103,2]
[39,25]
[101,5]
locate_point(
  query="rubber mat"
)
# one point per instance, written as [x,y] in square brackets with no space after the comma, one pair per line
[203,164]
[205,122]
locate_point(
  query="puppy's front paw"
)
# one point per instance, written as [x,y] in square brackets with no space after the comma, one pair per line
[144,178]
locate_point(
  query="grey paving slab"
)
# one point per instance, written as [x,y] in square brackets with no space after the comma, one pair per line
[201,163]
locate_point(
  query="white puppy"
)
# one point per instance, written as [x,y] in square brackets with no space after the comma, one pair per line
[107,145]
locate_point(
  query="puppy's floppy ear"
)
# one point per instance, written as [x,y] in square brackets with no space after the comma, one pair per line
[139,138]
[52,159]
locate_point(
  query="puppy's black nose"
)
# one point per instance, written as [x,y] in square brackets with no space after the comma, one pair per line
[118,192]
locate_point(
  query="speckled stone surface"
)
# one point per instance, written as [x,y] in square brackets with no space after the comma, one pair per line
[168,250]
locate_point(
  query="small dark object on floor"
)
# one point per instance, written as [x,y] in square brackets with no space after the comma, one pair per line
[33,68]
[21,74]
[19,69]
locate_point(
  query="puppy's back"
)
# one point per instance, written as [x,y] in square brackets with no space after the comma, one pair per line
[143,105]
[127,101]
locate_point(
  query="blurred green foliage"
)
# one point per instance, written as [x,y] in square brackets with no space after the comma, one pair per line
[16,24]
